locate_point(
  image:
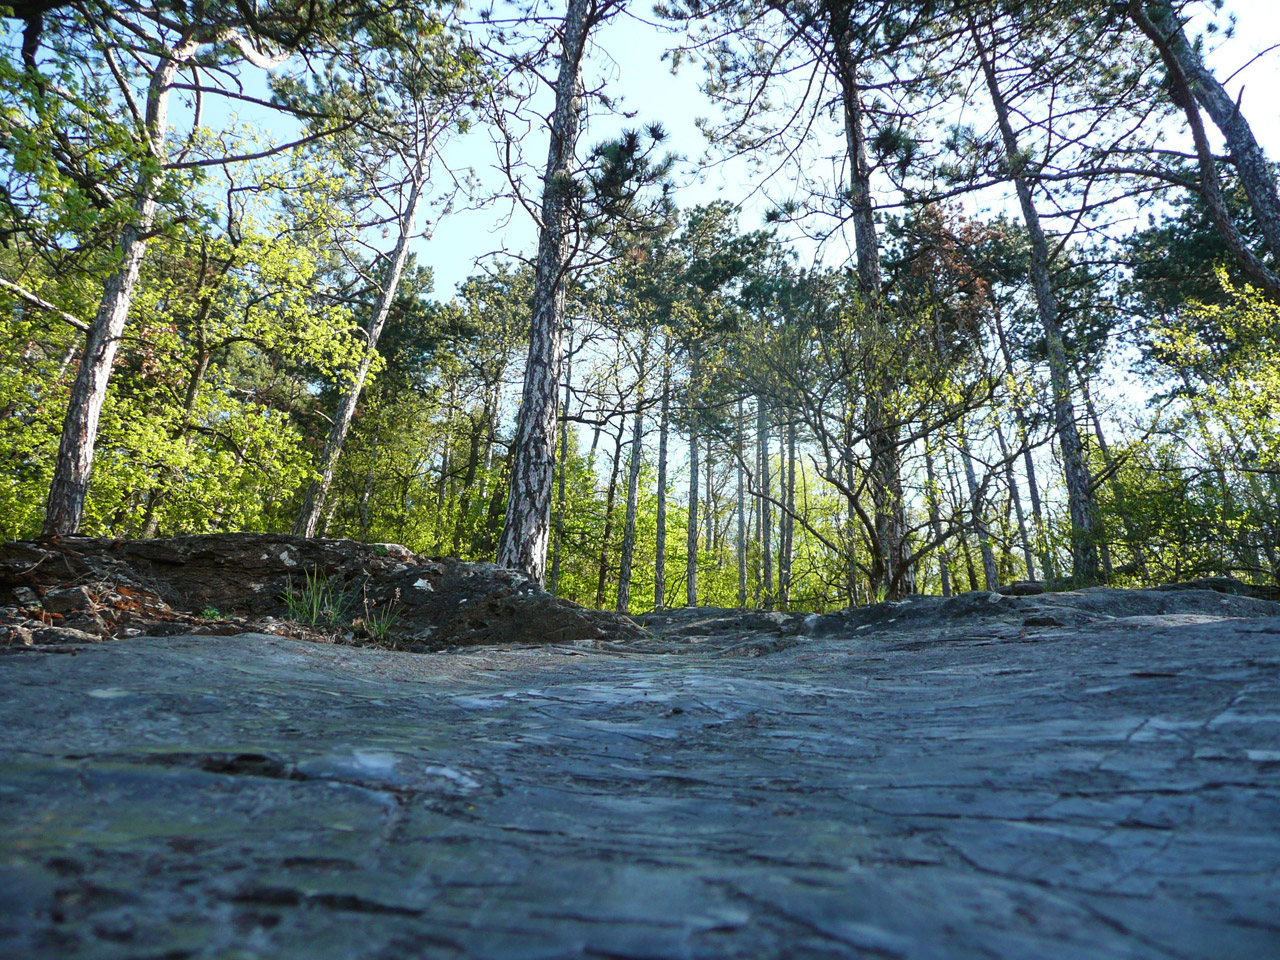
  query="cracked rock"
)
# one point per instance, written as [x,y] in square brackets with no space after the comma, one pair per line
[928,788]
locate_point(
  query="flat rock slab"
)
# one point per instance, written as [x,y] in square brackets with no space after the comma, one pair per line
[1108,790]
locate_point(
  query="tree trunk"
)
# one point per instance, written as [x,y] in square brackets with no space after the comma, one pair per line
[664,426]
[1037,509]
[1027,555]
[1157,19]
[886,495]
[890,566]
[1104,544]
[953,488]
[318,491]
[968,563]
[990,574]
[608,516]
[442,482]
[523,544]
[1084,548]
[766,511]
[1217,461]
[851,516]
[69,486]
[742,514]
[862,207]
[1028,462]
[366,493]
[691,529]
[328,519]
[788,519]
[633,490]
[1134,544]
[493,403]
[935,523]
[558,549]
[496,499]
[468,482]
[709,498]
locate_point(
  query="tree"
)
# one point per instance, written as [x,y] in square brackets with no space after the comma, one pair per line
[200,424]
[1193,87]
[1084,548]
[713,266]
[569,218]
[143,50]
[414,80]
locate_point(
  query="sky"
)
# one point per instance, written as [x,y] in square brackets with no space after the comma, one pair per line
[628,59]
[628,56]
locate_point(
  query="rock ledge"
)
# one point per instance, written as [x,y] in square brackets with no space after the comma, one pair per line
[82,589]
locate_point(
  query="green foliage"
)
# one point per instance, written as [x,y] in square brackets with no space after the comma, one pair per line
[377,622]
[200,427]
[318,602]
[246,321]
[1230,352]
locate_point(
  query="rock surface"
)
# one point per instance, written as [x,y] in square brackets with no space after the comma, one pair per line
[78,588]
[942,784]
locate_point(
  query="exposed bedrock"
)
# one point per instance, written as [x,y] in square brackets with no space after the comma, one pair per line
[77,588]
[937,785]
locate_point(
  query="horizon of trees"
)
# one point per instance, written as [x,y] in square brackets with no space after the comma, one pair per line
[207,330]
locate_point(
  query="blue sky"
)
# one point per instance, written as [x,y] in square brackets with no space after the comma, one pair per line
[628,57]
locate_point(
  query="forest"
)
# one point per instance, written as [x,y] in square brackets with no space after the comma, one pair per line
[1012,311]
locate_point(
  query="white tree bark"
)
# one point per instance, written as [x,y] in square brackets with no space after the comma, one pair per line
[64,510]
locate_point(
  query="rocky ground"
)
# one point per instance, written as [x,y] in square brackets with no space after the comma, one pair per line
[82,589]
[1092,774]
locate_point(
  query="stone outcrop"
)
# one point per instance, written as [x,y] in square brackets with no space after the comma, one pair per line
[77,589]
[948,783]
[990,614]
[976,615]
